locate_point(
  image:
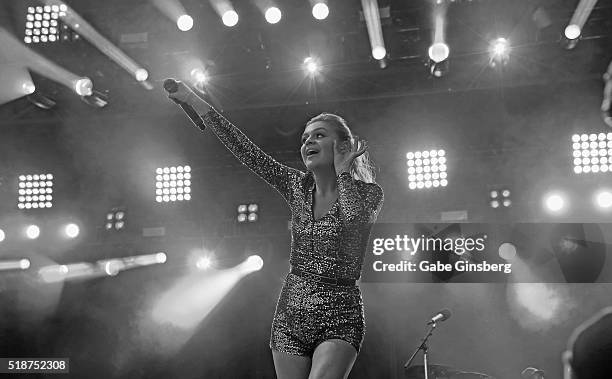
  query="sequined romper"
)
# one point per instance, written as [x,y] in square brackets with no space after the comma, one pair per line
[308,311]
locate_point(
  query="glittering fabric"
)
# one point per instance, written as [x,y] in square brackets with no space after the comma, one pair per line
[309,312]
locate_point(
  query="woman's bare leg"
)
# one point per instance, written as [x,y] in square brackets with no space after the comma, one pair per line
[289,366]
[332,359]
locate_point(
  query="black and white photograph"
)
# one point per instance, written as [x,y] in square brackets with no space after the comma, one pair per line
[306,189]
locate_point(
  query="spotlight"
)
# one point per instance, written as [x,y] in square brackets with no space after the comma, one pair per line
[507,251]
[247,212]
[35,191]
[2,235]
[184,22]
[311,66]
[499,52]
[571,36]
[252,263]
[204,263]
[32,232]
[273,15]
[199,76]
[83,87]
[71,230]
[230,18]
[320,11]
[29,88]
[426,169]
[554,202]
[116,219]
[173,184]
[141,74]
[592,153]
[379,52]
[500,197]
[439,52]
[42,25]
[604,199]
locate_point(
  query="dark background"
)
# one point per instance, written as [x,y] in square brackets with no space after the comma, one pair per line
[506,127]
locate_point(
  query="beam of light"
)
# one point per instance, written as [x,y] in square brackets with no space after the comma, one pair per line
[579,18]
[273,15]
[372,18]
[21,264]
[71,230]
[320,10]
[74,271]
[554,202]
[78,23]
[113,267]
[32,232]
[20,54]
[193,298]
[536,306]
[226,11]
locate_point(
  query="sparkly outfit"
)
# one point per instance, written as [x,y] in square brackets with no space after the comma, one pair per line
[308,311]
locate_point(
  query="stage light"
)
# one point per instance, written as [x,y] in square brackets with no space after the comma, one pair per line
[141,74]
[184,22]
[35,191]
[247,212]
[500,197]
[116,219]
[273,15]
[499,52]
[2,235]
[379,52]
[554,202]
[22,264]
[161,257]
[572,31]
[199,76]
[592,153]
[28,88]
[438,52]
[32,232]
[603,199]
[230,18]
[320,11]
[426,169]
[252,264]
[507,251]
[311,66]
[204,263]
[71,230]
[83,87]
[173,184]
[41,25]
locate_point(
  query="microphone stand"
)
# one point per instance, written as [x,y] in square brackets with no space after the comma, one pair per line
[423,346]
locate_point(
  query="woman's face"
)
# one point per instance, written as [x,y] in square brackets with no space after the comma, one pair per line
[318,145]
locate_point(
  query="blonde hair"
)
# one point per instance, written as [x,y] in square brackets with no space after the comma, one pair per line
[362,168]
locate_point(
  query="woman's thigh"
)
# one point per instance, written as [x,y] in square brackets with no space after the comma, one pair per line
[332,359]
[289,366]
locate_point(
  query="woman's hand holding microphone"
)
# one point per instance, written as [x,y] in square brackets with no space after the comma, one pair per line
[191,103]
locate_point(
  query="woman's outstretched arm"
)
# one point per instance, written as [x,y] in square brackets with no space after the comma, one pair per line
[274,173]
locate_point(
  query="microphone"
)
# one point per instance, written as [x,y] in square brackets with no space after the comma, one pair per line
[443,315]
[532,373]
[171,86]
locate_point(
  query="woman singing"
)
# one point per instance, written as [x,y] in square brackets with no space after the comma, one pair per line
[318,325]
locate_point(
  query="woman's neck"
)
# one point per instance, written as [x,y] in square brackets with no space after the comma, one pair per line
[325,181]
